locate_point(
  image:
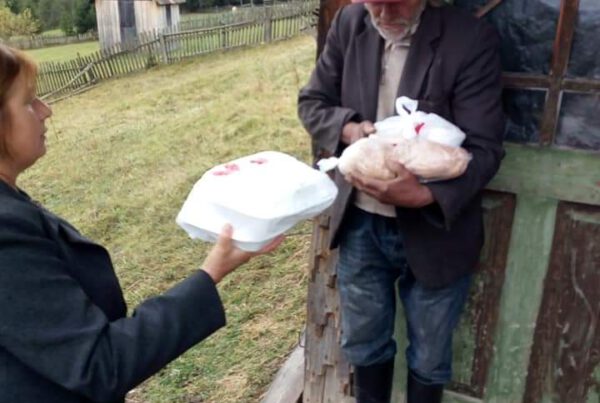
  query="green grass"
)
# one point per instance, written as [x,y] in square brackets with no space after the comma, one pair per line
[63,53]
[49,33]
[54,32]
[121,160]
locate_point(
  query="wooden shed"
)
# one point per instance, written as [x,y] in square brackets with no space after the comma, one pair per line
[531,332]
[123,20]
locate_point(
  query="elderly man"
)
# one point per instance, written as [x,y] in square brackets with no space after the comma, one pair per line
[425,236]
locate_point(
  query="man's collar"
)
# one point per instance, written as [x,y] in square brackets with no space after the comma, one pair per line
[406,39]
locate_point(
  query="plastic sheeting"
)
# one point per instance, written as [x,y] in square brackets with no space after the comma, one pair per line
[585,53]
[579,122]
[527,28]
[524,109]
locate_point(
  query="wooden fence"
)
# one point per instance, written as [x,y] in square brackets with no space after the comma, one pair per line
[61,79]
[40,41]
[244,14]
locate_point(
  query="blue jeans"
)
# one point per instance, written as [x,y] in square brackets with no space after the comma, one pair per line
[371,259]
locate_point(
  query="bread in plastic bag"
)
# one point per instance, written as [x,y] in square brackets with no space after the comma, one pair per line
[366,157]
[411,123]
[425,143]
[260,195]
[428,160]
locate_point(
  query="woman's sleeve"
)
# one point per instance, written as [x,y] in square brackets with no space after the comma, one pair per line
[50,325]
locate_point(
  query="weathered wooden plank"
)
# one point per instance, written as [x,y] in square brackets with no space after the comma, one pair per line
[562,174]
[569,12]
[473,340]
[521,297]
[566,349]
[289,381]
[101,65]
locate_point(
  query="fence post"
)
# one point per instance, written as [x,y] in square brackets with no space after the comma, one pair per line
[163,48]
[223,37]
[88,76]
[268,6]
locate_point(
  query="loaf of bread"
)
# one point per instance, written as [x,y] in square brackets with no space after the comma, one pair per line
[366,157]
[426,159]
[429,160]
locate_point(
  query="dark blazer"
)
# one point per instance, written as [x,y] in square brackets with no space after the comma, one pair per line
[64,336]
[453,69]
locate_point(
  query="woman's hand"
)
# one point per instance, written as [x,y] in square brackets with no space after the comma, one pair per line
[224,257]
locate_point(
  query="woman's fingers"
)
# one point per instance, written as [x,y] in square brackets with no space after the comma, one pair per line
[271,246]
[225,237]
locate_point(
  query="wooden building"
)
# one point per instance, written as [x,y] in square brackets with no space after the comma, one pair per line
[531,330]
[123,20]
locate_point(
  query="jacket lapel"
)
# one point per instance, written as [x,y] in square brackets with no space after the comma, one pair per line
[421,53]
[368,48]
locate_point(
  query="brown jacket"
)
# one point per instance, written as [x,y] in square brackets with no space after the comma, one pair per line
[453,69]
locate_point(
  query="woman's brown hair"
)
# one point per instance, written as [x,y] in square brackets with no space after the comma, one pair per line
[13,64]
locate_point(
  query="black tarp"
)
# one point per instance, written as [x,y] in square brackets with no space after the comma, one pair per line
[528,30]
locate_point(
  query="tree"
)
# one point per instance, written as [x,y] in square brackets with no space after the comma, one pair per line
[49,14]
[13,5]
[84,19]
[67,17]
[191,5]
[17,24]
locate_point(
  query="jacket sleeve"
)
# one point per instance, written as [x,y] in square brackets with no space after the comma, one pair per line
[319,102]
[477,109]
[51,326]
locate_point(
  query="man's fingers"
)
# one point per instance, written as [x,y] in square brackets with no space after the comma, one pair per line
[367,127]
[395,167]
[374,187]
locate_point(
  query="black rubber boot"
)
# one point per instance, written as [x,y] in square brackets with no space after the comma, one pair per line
[373,383]
[418,392]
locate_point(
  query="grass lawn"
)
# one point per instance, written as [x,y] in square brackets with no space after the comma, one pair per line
[63,53]
[121,160]
[54,32]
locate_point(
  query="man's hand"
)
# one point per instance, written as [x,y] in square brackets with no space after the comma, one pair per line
[403,191]
[353,131]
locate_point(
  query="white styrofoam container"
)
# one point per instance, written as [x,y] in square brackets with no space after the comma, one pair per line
[260,195]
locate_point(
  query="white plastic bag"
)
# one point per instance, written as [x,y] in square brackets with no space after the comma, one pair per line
[428,160]
[410,123]
[260,195]
[425,143]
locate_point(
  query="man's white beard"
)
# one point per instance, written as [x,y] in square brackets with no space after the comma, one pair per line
[409,27]
[391,36]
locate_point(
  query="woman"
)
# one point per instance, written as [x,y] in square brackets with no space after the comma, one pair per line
[64,336]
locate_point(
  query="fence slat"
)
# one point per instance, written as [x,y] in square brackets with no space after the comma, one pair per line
[154,47]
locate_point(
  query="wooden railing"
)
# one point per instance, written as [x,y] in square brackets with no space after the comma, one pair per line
[61,79]
[41,41]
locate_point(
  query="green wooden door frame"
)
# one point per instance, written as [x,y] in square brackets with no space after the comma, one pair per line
[541,178]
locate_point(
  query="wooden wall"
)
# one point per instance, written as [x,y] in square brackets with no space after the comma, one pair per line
[149,16]
[107,13]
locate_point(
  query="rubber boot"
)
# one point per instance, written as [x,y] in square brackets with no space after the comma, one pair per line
[373,383]
[419,392]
